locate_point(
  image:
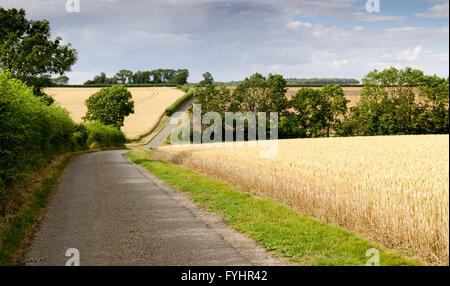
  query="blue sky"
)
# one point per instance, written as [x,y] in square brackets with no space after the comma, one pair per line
[234,39]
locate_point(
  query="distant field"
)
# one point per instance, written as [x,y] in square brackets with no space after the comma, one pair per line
[149,105]
[351,93]
[393,190]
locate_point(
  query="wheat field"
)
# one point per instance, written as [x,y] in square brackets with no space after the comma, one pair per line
[393,190]
[149,105]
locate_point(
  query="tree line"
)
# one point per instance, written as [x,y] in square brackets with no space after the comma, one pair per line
[305,81]
[158,76]
[392,102]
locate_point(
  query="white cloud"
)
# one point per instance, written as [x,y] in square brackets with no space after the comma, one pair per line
[410,55]
[232,39]
[439,10]
[370,17]
[295,25]
[338,64]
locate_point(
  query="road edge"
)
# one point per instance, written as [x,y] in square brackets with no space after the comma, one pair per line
[244,245]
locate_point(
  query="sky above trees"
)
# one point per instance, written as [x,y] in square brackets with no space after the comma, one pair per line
[233,39]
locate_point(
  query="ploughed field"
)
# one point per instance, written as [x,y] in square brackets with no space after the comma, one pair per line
[149,105]
[393,190]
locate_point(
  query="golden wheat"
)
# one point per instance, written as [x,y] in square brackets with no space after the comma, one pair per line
[149,105]
[393,190]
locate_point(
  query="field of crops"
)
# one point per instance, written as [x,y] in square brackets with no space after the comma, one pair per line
[351,93]
[393,190]
[149,105]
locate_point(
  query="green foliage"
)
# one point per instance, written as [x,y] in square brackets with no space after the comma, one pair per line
[260,94]
[110,106]
[213,98]
[61,80]
[100,136]
[123,76]
[178,103]
[256,94]
[275,227]
[207,79]
[179,78]
[27,51]
[158,77]
[30,131]
[314,112]
[101,79]
[400,102]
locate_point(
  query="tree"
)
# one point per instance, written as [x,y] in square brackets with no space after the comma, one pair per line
[180,77]
[27,51]
[213,98]
[315,112]
[102,79]
[124,76]
[337,104]
[434,94]
[401,101]
[61,80]
[207,79]
[110,106]
[258,94]
[388,103]
[311,109]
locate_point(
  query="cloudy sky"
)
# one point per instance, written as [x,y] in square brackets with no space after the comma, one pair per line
[234,39]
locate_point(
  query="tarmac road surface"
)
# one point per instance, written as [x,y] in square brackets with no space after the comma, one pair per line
[115,215]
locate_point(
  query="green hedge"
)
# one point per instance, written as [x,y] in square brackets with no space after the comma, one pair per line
[31,132]
[103,136]
[179,102]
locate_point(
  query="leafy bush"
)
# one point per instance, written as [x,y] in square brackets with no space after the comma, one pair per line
[103,136]
[178,103]
[30,131]
[401,102]
[110,105]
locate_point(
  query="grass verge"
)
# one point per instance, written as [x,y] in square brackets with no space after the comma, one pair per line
[149,136]
[277,228]
[27,209]
[179,102]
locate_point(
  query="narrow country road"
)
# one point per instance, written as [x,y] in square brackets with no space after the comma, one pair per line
[115,215]
[159,139]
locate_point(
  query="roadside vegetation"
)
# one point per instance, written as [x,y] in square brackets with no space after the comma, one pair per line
[393,190]
[30,53]
[26,209]
[274,226]
[35,136]
[392,102]
[179,102]
[110,106]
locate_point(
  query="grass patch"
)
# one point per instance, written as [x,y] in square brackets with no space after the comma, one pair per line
[25,210]
[149,136]
[277,228]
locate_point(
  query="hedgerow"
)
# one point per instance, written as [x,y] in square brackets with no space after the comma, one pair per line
[31,133]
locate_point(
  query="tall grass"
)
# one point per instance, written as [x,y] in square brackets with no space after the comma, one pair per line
[393,190]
